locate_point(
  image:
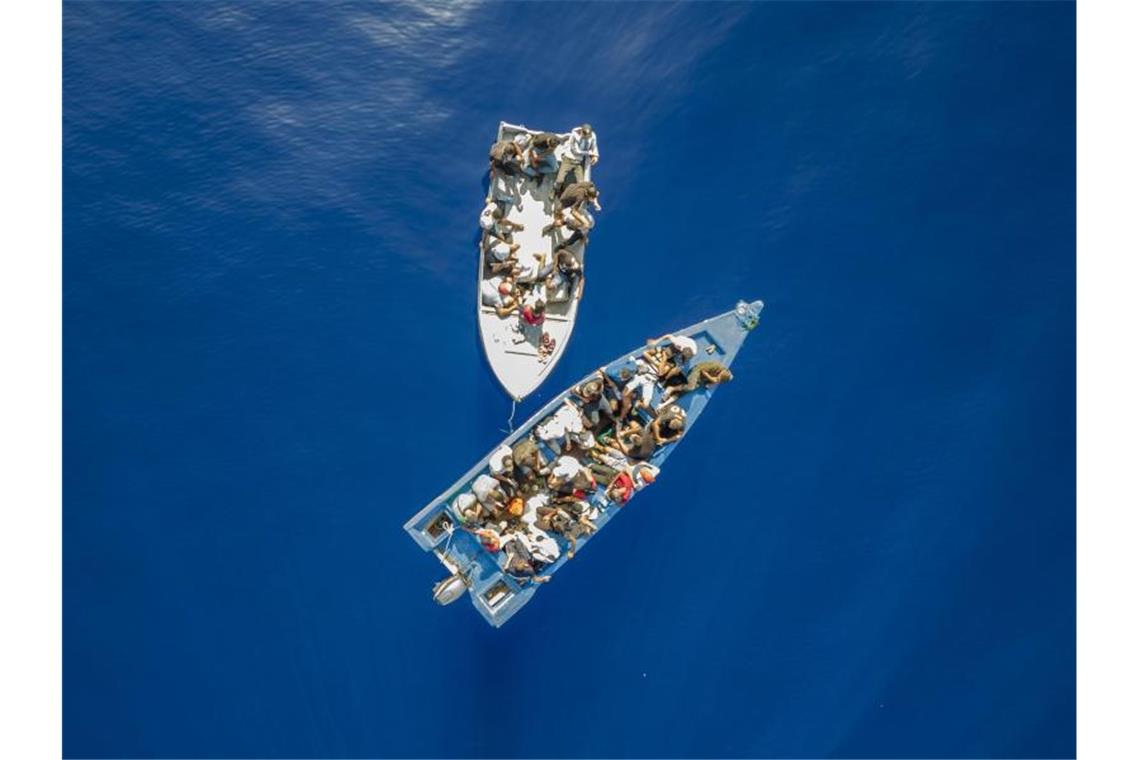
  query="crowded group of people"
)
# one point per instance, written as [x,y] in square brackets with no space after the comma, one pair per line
[522,283]
[542,494]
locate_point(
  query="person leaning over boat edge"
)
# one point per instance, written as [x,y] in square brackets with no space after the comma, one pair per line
[703,374]
[506,156]
[499,293]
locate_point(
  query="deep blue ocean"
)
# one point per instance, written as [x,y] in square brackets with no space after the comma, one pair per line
[865,547]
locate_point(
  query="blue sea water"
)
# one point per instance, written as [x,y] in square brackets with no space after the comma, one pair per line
[865,547]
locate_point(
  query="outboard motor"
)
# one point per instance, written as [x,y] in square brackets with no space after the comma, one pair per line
[449,589]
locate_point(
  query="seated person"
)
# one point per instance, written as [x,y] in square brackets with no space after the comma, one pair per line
[506,156]
[575,426]
[490,495]
[552,431]
[577,219]
[629,481]
[580,194]
[499,244]
[531,268]
[489,539]
[577,434]
[530,465]
[701,375]
[556,287]
[568,265]
[540,159]
[469,510]
[520,564]
[605,462]
[490,215]
[533,310]
[500,294]
[494,219]
[534,505]
[561,522]
[502,468]
[542,547]
[668,355]
[637,391]
[634,440]
[668,426]
[597,397]
[568,475]
[564,429]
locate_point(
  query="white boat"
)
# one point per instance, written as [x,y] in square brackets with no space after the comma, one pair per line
[512,347]
[496,592]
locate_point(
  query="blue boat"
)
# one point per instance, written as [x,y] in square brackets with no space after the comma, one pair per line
[484,572]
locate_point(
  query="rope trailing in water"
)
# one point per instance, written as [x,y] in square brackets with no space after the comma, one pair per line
[511,419]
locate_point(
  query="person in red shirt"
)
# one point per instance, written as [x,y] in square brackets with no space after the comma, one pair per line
[534,314]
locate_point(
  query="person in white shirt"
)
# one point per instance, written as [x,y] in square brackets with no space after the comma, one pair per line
[468,509]
[498,238]
[575,153]
[552,431]
[500,461]
[493,219]
[540,157]
[540,544]
[498,292]
[534,507]
[638,390]
[489,494]
[575,427]
[568,474]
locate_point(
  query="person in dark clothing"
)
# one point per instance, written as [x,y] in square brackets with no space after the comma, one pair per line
[506,156]
[668,426]
[701,375]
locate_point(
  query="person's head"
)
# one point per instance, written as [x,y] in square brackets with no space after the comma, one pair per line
[489,539]
[515,507]
[496,213]
[506,286]
[635,438]
[540,306]
[465,505]
[647,475]
[625,374]
[592,387]
[676,424]
[586,130]
[508,463]
[567,261]
[545,141]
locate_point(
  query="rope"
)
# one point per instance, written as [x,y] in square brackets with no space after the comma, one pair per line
[511,419]
[447,546]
